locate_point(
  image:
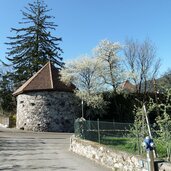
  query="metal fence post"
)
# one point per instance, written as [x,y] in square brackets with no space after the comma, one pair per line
[150,160]
[98,129]
[138,140]
[149,146]
[82,108]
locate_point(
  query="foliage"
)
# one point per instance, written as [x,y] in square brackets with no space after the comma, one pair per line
[119,107]
[164,119]
[33,44]
[164,82]
[164,122]
[161,131]
[7,101]
[94,100]
[139,130]
[12,121]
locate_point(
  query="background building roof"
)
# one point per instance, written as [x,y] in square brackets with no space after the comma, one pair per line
[128,87]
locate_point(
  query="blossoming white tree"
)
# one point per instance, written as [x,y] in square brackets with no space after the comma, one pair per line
[84,74]
[92,76]
[110,70]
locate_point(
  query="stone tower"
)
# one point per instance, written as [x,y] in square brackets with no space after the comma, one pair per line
[44,103]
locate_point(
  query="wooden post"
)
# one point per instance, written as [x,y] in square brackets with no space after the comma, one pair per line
[149,129]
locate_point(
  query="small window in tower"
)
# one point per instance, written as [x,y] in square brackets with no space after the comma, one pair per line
[48,104]
[33,104]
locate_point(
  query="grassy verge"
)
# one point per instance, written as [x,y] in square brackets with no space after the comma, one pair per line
[130,145]
[123,144]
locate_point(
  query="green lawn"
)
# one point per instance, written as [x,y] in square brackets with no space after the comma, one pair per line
[130,145]
[123,144]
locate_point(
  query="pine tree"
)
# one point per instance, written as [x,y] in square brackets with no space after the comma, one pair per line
[33,44]
[7,101]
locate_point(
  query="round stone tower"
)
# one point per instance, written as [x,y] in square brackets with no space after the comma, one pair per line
[44,103]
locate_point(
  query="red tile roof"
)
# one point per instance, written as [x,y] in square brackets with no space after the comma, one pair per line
[129,87]
[47,78]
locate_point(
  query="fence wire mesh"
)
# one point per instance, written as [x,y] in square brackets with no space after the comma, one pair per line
[123,136]
[99,131]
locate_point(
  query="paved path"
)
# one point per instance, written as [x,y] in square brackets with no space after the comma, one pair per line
[27,151]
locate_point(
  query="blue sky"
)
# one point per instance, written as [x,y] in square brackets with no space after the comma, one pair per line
[83,23]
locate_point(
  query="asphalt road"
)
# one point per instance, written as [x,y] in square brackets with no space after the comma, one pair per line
[27,151]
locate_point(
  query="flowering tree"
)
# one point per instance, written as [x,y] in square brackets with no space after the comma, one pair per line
[110,70]
[83,73]
[92,76]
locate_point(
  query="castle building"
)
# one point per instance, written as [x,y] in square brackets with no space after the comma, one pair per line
[44,103]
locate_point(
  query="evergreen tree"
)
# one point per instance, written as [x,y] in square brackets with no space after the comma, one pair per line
[33,44]
[7,101]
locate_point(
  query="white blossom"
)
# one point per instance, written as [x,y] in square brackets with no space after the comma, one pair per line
[110,70]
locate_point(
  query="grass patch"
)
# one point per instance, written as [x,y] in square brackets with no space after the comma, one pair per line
[123,144]
[130,145]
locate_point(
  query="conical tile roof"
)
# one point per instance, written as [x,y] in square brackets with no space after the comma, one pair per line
[47,78]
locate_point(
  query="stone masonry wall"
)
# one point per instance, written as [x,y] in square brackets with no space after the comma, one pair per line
[116,160]
[46,111]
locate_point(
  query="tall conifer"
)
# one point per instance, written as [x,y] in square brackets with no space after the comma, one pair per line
[33,45]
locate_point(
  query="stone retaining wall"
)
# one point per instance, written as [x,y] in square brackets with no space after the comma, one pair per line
[116,160]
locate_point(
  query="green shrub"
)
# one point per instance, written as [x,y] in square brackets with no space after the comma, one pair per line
[12,121]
